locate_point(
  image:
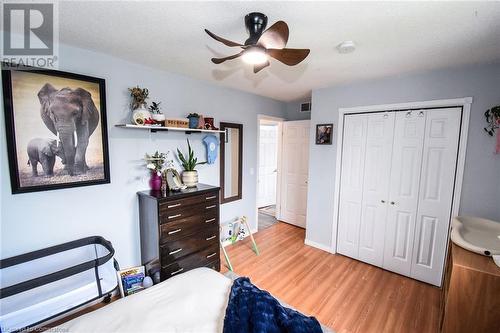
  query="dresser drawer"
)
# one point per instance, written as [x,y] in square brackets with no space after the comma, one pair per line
[202,240]
[211,198]
[194,210]
[180,228]
[206,258]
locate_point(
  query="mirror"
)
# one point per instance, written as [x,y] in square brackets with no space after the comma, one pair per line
[231,152]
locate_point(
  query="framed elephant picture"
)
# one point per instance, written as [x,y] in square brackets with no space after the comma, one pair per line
[56,129]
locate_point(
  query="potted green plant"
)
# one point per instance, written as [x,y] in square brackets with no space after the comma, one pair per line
[193,120]
[156,114]
[189,163]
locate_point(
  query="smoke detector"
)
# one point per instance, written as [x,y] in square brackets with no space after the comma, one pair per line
[346,47]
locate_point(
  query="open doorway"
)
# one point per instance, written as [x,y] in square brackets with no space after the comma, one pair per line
[269,136]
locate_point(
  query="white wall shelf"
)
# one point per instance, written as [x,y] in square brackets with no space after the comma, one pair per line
[162,128]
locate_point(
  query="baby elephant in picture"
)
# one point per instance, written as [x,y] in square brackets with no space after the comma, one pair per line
[44,151]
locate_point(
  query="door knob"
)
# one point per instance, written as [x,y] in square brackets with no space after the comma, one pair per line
[382,201]
[393,203]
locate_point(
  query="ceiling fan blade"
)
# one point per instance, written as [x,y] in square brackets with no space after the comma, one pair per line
[221,60]
[290,57]
[258,68]
[222,40]
[275,37]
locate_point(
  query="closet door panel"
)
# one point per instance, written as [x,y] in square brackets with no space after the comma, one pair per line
[404,189]
[379,140]
[436,194]
[351,186]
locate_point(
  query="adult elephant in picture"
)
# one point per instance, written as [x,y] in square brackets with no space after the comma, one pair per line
[71,115]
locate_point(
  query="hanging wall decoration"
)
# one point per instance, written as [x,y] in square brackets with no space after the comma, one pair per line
[56,129]
[493,119]
[324,134]
[212,144]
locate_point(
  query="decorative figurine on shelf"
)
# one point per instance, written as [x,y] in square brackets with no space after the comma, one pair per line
[158,117]
[193,120]
[212,143]
[189,162]
[155,163]
[209,123]
[201,122]
[138,104]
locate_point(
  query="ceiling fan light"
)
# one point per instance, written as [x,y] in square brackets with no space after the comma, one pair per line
[254,56]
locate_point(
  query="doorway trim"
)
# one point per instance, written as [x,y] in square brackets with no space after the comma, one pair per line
[464,103]
[279,122]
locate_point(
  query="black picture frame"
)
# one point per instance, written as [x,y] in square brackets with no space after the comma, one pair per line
[10,130]
[323,137]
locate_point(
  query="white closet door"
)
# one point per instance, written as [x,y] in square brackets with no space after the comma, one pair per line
[436,193]
[351,186]
[376,187]
[404,189]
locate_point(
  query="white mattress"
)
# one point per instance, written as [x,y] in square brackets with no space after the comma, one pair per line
[195,301]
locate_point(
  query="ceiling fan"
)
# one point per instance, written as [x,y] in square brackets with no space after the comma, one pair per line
[263,44]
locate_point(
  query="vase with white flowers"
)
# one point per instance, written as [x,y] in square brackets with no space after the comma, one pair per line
[155,162]
[189,163]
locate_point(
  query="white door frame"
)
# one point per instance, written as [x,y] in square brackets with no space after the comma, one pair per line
[464,103]
[279,122]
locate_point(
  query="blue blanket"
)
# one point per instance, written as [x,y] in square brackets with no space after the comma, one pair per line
[251,310]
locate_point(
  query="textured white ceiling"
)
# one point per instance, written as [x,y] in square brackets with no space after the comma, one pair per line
[392,38]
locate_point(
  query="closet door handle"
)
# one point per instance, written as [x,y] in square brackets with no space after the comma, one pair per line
[382,201]
[175,251]
[393,203]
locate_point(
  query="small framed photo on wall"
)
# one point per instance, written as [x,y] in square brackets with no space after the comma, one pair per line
[324,134]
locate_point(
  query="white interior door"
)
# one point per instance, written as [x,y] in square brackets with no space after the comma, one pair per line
[268,165]
[437,178]
[351,186]
[403,194]
[295,165]
[377,174]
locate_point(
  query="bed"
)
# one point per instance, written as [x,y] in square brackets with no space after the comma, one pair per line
[195,301]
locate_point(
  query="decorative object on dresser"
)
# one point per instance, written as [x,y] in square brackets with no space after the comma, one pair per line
[155,163]
[231,161]
[324,134]
[66,114]
[171,180]
[179,230]
[189,162]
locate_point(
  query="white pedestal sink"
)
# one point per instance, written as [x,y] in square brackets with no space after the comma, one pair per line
[477,235]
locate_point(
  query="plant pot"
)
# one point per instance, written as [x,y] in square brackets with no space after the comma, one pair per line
[155,181]
[193,122]
[159,118]
[139,115]
[190,178]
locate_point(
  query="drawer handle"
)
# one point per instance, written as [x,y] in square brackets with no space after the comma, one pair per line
[211,255]
[174,251]
[174,231]
[210,198]
[210,207]
[174,216]
[177,271]
[211,220]
[210,238]
[173,206]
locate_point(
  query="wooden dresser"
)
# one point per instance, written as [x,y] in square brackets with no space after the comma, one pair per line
[180,230]
[471,293]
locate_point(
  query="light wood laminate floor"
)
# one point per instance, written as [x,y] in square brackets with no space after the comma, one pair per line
[344,294]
